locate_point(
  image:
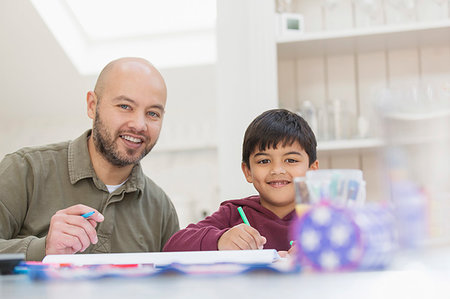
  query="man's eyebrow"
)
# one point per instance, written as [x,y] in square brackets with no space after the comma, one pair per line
[127,99]
[123,98]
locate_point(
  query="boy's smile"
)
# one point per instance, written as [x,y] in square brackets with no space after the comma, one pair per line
[272,172]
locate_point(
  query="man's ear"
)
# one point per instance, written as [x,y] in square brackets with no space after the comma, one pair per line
[91,100]
[314,165]
[247,172]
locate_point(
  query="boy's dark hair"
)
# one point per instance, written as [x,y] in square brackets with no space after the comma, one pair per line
[278,126]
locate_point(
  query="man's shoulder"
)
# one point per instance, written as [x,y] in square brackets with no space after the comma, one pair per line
[48,149]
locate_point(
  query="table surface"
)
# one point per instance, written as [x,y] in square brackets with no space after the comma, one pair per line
[424,274]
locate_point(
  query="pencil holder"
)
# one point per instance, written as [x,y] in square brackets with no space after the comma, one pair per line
[344,187]
[335,238]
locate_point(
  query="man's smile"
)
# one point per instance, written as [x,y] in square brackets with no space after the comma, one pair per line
[131,139]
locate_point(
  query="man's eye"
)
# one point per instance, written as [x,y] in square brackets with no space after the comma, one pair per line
[123,106]
[264,161]
[152,114]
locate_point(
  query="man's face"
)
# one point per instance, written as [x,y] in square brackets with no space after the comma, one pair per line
[128,117]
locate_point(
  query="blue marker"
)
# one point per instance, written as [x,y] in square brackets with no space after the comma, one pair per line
[88,214]
[353,187]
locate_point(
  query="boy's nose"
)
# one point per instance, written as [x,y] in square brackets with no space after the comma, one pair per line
[278,170]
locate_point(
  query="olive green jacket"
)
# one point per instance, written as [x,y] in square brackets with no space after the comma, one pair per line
[37,182]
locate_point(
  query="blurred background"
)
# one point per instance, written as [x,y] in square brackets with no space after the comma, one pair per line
[362,72]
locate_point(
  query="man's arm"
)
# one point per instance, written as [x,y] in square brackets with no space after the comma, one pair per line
[15,182]
[68,232]
[171,225]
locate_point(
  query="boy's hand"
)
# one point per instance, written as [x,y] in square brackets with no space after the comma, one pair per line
[291,252]
[69,232]
[241,237]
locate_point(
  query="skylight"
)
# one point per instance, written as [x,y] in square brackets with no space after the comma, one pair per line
[169,33]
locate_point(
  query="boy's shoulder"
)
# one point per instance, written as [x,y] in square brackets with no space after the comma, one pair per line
[252,201]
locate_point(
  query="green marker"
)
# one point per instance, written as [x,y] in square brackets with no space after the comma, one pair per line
[244,218]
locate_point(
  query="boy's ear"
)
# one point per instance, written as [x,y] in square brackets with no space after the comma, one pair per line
[314,166]
[247,172]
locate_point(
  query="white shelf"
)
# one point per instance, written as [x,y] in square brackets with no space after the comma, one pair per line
[364,39]
[174,148]
[349,144]
[432,115]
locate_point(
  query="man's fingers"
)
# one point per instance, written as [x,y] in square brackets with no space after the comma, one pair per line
[85,225]
[66,244]
[69,232]
[92,222]
[80,234]
[79,209]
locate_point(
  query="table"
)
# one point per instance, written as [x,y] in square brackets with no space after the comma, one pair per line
[424,274]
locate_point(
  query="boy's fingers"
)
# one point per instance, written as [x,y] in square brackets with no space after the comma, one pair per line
[248,241]
[259,240]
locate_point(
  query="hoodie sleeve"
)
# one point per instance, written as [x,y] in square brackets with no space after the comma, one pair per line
[203,235]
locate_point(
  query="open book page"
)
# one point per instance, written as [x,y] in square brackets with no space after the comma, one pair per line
[265,256]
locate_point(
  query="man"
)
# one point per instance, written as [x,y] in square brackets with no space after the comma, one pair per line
[44,191]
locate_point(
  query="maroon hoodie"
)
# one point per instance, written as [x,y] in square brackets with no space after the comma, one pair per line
[205,234]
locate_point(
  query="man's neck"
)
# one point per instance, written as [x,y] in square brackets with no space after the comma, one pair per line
[108,173]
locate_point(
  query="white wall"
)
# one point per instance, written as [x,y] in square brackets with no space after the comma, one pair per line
[43,100]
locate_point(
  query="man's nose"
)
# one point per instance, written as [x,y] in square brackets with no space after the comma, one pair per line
[138,122]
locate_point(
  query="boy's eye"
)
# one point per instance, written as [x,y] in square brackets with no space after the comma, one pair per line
[264,161]
[291,160]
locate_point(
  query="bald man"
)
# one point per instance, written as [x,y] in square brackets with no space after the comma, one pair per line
[46,191]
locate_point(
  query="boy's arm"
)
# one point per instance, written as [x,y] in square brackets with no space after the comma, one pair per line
[203,235]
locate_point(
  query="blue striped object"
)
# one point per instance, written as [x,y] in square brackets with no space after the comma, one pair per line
[336,238]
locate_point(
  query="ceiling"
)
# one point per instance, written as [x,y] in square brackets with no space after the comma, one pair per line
[174,33]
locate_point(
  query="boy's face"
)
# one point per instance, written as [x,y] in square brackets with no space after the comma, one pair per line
[272,173]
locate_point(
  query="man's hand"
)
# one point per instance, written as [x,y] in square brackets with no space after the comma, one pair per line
[241,237]
[69,232]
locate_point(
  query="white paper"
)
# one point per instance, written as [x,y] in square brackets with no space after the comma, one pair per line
[265,256]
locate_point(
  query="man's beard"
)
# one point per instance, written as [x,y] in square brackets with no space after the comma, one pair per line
[105,145]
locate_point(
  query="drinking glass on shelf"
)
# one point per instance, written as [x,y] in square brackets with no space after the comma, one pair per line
[283,6]
[368,13]
[309,113]
[337,14]
[400,11]
[341,120]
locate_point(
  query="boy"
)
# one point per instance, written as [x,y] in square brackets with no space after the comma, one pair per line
[278,146]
